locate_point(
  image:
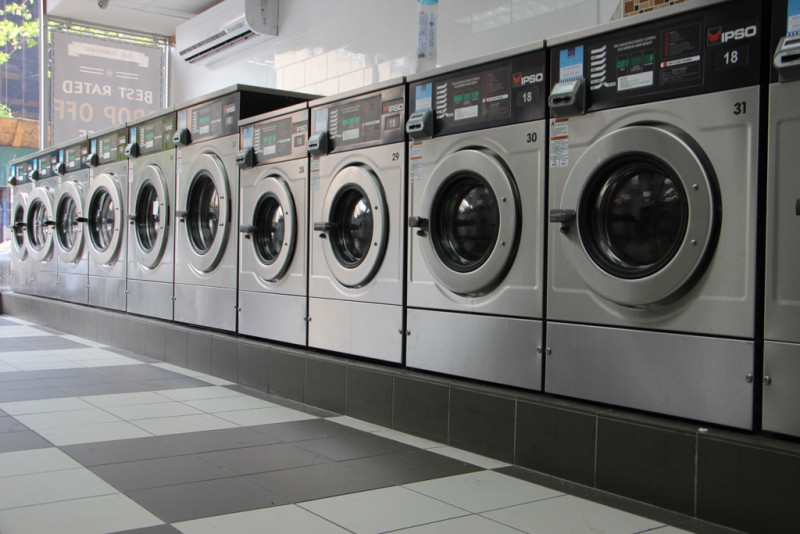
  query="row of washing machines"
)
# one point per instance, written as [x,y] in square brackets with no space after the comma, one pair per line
[586,218]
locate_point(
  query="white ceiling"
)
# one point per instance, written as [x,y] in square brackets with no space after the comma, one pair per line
[145,16]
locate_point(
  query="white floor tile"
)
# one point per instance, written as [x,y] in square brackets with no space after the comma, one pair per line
[483,491]
[124,399]
[668,530]
[229,404]
[205,392]
[6,368]
[22,331]
[63,404]
[471,524]
[178,369]
[72,435]
[111,362]
[40,488]
[469,457]
[281,519]
[216,381]
[372,512]
[85,341]
[152,411]
[92,515]
[35,461]
[358,425]
[41,421]
[572,515]
[408,439]
[264,416]
[45,366]
[95,354]
[184,423]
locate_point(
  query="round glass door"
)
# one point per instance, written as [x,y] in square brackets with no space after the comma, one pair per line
[270,229]
[38,227]
[151,217]
[357,225]
[105,218]
[69,230]
[273,227]
[19,230]
[207,210]
[646,212]
[471,205]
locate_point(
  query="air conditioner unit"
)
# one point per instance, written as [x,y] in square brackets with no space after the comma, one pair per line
[226,28]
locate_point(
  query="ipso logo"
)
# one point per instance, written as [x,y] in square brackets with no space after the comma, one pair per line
[394,108]
[717,36]
[528,79]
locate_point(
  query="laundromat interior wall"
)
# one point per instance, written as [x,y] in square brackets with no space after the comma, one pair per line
[331,46]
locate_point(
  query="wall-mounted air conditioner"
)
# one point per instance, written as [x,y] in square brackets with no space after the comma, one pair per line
[226,28]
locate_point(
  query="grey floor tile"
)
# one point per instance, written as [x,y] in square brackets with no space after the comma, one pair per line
[28,383]
[33,394]
[48,330]
[13,376]
[159,529]
[9,424]
[103,389]
[353,446]
[294,431]
[251,460]
[411,466]
[171,383]
[218,440]
[138,372]
[183,502]
[23,440]
[316,482]
[59,373]
[122,450]
[157,472]
[81,380]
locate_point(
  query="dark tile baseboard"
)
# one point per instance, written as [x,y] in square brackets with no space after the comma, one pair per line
[737,479]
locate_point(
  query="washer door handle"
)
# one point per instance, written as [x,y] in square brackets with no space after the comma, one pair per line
[132,217]
[565,217]
[82,219]
[419,222]
[247,229]
[182,214]
[324,228]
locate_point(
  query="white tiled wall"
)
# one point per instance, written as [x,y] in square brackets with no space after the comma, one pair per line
[330,46]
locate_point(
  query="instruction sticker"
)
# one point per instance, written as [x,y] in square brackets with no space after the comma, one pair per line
[559,143]
[415,162]
[314,168]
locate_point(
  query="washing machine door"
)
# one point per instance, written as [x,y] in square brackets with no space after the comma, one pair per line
[70,221]
[207,212]
[356,225]
[19,248]
[150,218]
[39,224]
[105,218]
[269,225]
[470,208]
[645,202]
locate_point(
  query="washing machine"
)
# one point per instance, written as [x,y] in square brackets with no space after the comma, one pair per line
[207,201]
[653,158]
[476,218]
[20,267]
[106,225]
[71,238]
[40,222]
[273,230]
[781,372]
[151,237]
[357,204]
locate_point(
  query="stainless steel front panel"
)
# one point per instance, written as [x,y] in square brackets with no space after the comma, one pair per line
[73,287]
[782,306]
[20,260]
[502,289]
[107,292]
[212,307]
[781,396]
[44,261]
[150,298]
[718,299]
[73,263]
[273,316]
[502,350]
[696,377]
[109,259]
[356,328]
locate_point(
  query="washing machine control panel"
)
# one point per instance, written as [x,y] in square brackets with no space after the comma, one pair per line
[211,119]
[508,91]
[370,119]
[708,50]
[108,147]
[23,171]
[785,43]
[74,157]
[276,139]
[152,136]
[47,165]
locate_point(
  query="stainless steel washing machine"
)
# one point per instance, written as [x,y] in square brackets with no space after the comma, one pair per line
[71,216]
[151,238]
[273,229]
[207,201]
[781,394]
[20,268]
[40,221]
[106,225]
[653,208]
[476,210]
[357,209]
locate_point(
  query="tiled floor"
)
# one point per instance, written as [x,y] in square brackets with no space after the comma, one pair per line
[96,440]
